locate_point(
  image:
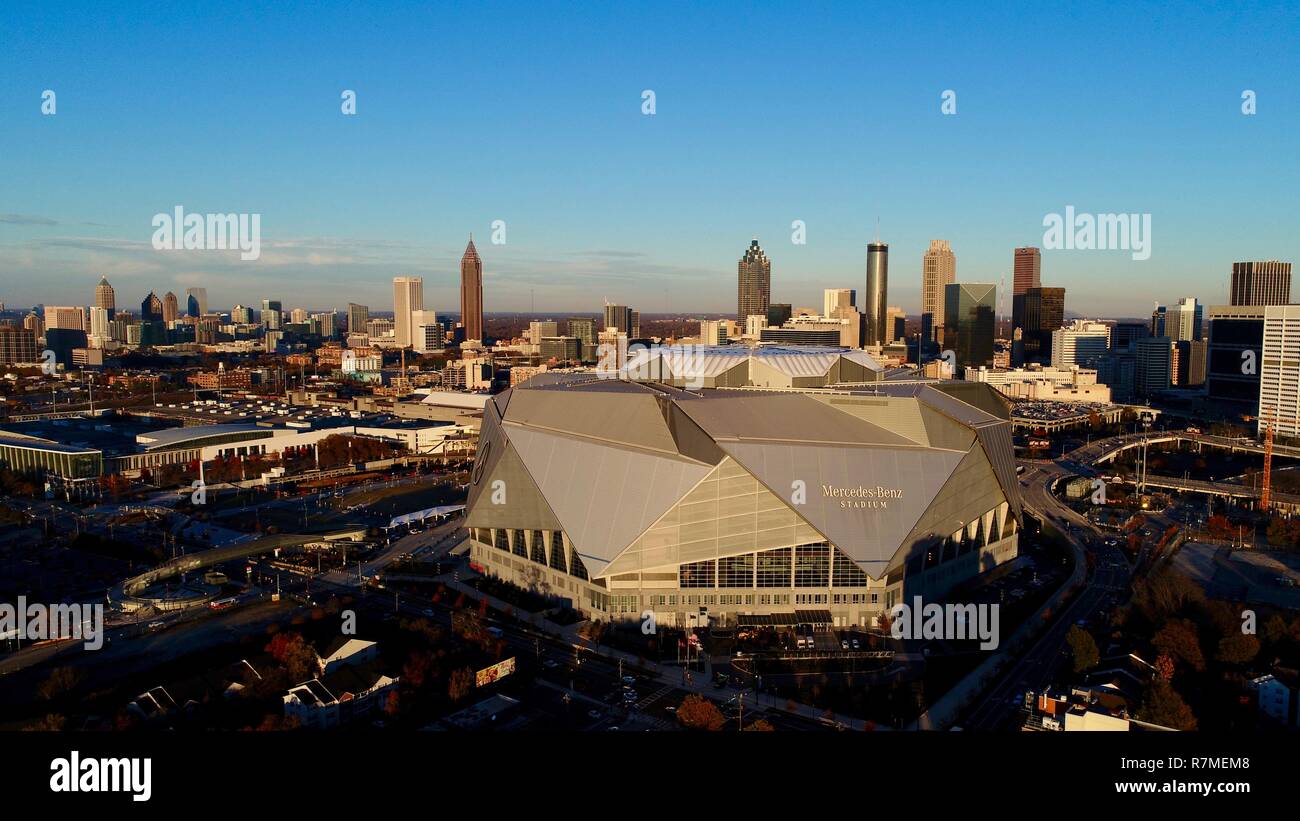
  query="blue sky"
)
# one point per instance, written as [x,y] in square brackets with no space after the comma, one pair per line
[531,113]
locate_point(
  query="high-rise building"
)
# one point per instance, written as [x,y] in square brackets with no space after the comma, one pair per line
[323,324]
[408,297]
[1153,368]
[833,298]
[1042,313]
[1026,274]
[426,332]
[70,317]
[779,313]
[358,316]
[620,317]
[151,308]
[1188,369]
[298,316]
[938,271]
[1279,376]
[272,317]
[896,322]
[471,293]
[17,345]
[104,296]
[1261,283]
[584,328]
[1236,351]
[196,301]
[171,308]
[101,328]
[539,328]
[968,322]
[241,315]
[35,324]
[875,301]
[1185,324]
[1080,343]
[753,283]
[1124,334]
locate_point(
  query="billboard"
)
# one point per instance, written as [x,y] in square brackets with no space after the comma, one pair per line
[497,671]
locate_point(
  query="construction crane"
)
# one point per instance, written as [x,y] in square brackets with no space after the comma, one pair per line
[1268,464]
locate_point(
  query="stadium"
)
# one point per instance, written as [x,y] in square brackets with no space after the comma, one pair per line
[739,504]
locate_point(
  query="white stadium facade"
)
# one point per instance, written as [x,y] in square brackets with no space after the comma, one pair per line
[722,503]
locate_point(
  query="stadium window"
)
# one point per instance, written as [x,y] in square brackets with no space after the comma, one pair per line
[812,565]
[736,571]
[774,568]
[846,572]
[697,574]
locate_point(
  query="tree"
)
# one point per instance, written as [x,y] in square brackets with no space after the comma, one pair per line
[1083,649]
[460,683]
[1164,668]
[1238,649]
[760,726]
[1164,706]
[59,683]
[1178,639]
[698,713]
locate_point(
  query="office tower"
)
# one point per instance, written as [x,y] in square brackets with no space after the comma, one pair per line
[1260,283]
[1042,312]
[1160,321]
[779,313]
[1124,334]
[714,332]
[560,348]
[426,332]
[104,296]
[1153,365]
[753,283]
[833,298]
[938,271]
[1080,343]
[876,298]
[101,330]
[380,328]
[896,323]
[271,340]
[1185,324]
[151,308]
[196,301]
[1188,368]
[1236,351]
[620,317]
[67,317]
[171,310]
[17,345]
[358,316]
[298,316]
[538,329]
[323,324]
[471,293]
[35,324]
[206,329]
[1026,273]
[1279,375]
[968,322]
[241,315]
[63,341]
[272,317]
[408,297]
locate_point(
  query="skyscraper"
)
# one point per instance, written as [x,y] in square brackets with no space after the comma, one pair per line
[272,315]
[833,298]
[1026,274]
[1235,352]
[938,270]
[408,297]
[358,316]
[1279,374]
[1186,320]
[151,308]
[875,302]
[471,293]
[171,307]
[1261,283]
[753,283]
[104,296]
[196,301]
[1042,312]
[620,317]
[968,322]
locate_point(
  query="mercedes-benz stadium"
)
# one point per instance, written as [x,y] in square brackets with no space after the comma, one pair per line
[623,497]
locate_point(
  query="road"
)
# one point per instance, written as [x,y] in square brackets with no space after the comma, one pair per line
[1108,586]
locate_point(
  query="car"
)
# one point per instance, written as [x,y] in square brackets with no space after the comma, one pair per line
[550,664]
[428,612]
[630,696]
[844,644]
[629,680]
[595,714]
[855,644]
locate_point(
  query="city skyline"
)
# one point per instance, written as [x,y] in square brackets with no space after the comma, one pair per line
[641,208]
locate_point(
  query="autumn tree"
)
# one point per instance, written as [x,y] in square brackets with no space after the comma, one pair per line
[1164,706]
[698,713]
[1083,649]
[1178,639]
[760,726]
[460,684]
[60,682]
[1238,649]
